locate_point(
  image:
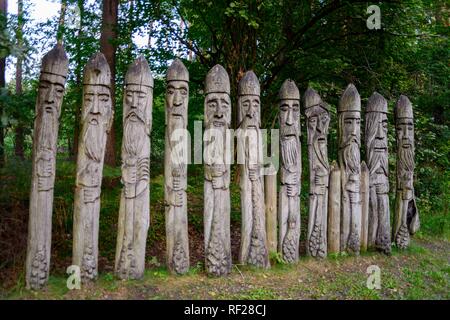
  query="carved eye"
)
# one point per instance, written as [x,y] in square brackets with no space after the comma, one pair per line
[296,108]
[213,105]
[142,96]
[183,91]
[88,98]
[170,91]
[104,98]
[284,108]
[348,121]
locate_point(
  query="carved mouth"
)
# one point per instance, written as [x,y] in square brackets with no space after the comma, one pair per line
[177,116]
[93,121]
[48,109]
[380,149]
[406,145]
[321,140]
[218,123]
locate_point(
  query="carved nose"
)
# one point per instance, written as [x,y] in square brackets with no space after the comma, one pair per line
[177,101]
[218,115]
[290,118]
[50,95]
[95,108]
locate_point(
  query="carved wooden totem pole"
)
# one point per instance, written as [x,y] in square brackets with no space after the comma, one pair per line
[379,233]
[48,109]
[318,120]
[291,171]
[175,167]
[96,120]
[217,172]
[406,219]
[254,249]
[134,214]
[349,119]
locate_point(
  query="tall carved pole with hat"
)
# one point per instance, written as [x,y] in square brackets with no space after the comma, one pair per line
[96,121]
[254,249]
[175,167]
[349,120]
[406,219]
[217,172]
[318,120]
[291,171]
[134,212]
[48,109]
[379,233]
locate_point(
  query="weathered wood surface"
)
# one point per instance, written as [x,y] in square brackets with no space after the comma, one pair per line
[48,110]
[254,248]
[318,120]
[96,121]
[134,212]
[290,171]
[175,168]
[217,172]
[406,218]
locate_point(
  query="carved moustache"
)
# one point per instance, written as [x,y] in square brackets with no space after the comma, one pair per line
[377,157]
[250,121]
[287,131]
[135,115]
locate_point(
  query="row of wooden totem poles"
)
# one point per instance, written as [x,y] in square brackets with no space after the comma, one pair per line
[348,202]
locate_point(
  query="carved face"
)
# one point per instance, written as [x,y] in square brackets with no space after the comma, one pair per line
[405,133]
[405,145]
[318,121]
[136,103]
[351,130]
[177,96]
[50,93]
[289,118]
[377,124]
[249,109]
[217,110]
[96,104]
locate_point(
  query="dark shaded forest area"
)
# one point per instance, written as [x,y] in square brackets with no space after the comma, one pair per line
[320,44]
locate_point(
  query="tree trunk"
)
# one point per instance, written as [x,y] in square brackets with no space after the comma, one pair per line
[78,79]
[3,12]
[62,15]
[108,48]
[19,130]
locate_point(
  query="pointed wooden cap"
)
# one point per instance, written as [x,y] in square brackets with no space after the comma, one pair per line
[139,73]
[177,72]
[350,100]
[313,99]
[249,85]
[217,80]
[55,62]
[403,108]
[289,91]
[376,103]
[97,72]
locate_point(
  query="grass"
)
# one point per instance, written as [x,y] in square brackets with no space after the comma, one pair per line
[421,272]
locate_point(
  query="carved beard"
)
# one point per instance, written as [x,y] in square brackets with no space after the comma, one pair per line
[289,152]
[320,149]
[377,159]
[406,158]
[47,131]
[351,156]
[134,134]
[94,140]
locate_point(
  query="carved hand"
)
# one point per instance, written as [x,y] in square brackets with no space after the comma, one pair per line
[179,199]
[176,183]
[218,183]
[253,173]
[292,190]
[91,194]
